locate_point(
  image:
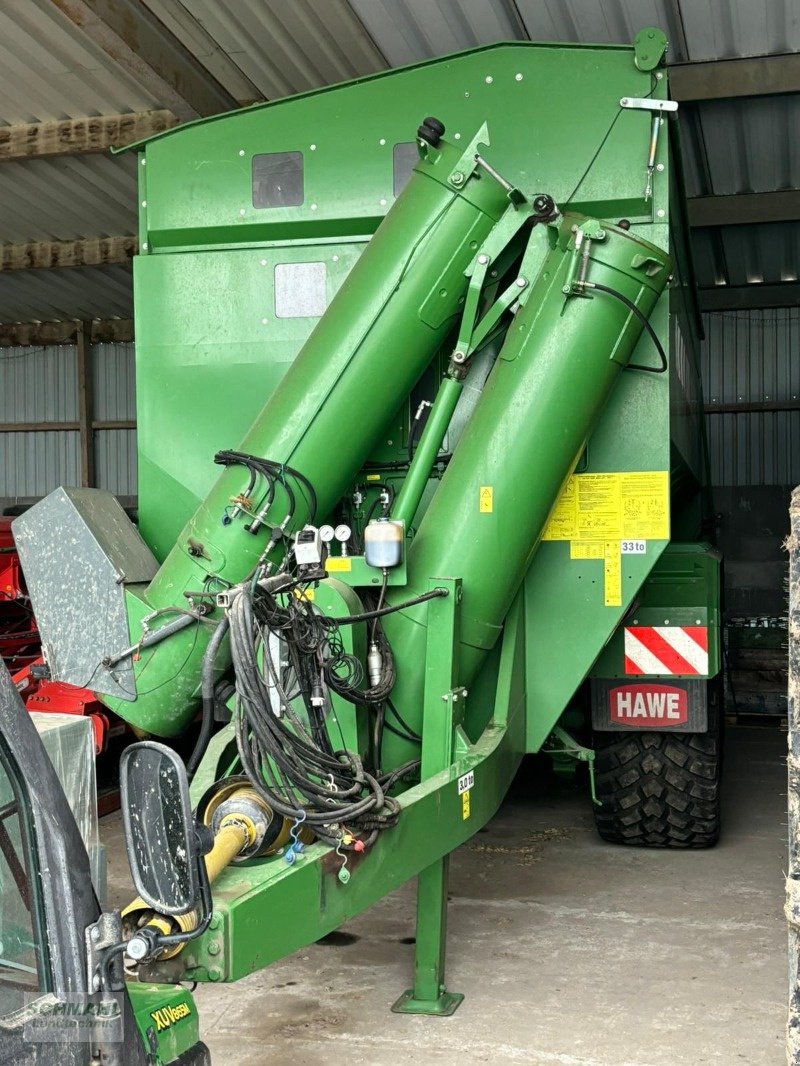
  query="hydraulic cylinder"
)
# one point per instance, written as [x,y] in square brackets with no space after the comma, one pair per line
[376,338]
[562,355]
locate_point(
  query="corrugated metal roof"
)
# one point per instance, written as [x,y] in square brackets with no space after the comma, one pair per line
[50,70]
[741,255]
[286,48]
[54,295]
[61,199]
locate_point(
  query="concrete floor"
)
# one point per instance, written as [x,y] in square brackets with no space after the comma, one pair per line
[569,951]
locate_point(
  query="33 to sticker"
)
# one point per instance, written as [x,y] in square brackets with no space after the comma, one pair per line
[633,547]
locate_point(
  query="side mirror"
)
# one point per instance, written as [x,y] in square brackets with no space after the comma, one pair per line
[160,835]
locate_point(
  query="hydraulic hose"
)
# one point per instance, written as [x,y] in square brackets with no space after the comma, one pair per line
[155,637]
[365,616]
[634,310]
[207,691]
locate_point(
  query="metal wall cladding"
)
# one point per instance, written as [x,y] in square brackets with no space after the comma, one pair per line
[749,358]
[40,385]
[114,382]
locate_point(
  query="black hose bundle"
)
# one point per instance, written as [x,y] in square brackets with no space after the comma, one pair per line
[290,759]
[274,474]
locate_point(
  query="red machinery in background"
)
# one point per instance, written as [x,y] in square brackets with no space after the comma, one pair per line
[21,649]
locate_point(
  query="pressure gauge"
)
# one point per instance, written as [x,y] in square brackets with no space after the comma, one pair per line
[326,534]
[343,533]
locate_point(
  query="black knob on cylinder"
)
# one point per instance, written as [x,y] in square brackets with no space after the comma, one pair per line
[431,131]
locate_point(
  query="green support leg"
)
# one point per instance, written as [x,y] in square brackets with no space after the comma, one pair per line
[429,995]
[443,711]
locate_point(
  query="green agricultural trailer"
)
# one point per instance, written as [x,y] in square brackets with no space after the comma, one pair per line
[447,369]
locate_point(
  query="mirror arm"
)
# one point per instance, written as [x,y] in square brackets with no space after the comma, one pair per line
[151,943]
[207,905]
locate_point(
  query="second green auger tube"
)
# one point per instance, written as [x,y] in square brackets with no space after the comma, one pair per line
[560,360]
[370,347]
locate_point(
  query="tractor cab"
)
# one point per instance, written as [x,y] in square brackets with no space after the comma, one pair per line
[63,999]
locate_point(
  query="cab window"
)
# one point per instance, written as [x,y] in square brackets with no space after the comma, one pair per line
[20,954]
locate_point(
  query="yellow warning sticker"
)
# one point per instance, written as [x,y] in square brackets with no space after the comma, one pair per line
[486,499]
[612,574]
[465,805]
[644,498]
[338,565]
[304,594]
[374,477]
[561,524]
[585,549]
[605,507]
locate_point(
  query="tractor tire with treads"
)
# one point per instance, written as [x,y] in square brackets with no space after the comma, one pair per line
[660,790]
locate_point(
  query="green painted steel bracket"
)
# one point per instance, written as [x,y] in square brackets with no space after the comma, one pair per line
[561,744]
[470,334]
[265,910]
[649,48]
[355,571]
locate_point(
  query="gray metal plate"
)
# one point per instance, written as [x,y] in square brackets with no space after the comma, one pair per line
[79,550]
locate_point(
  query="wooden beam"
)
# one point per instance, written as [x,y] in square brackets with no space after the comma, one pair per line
[745,208]
[95,251]
[75,136]
[749,297]
[749,408]
[37,427]
[61,427]
[83,363]
[141,45]
[40,334]
[725,79]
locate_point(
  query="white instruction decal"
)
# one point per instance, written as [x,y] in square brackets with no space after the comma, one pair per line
[633,547]
[465,782]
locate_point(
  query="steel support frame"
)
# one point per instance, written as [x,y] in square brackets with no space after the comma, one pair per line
[442,713]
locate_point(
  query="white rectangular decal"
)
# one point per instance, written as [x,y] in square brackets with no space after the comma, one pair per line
[465,782]
[633,547]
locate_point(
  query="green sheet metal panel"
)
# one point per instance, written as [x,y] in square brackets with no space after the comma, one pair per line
[207,273]
[209,351]
[549,108]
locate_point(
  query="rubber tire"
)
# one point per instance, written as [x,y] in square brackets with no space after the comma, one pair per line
[660,790]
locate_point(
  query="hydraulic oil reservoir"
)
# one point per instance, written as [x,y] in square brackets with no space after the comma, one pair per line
[383,543]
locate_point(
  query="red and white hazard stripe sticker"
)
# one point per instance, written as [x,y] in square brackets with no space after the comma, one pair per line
[666,650]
